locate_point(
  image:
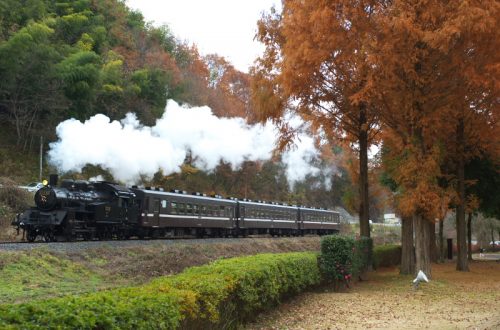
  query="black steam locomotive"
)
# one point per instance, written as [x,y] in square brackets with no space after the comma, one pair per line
[104,210]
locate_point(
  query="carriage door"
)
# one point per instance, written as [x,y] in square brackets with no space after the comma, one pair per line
[156,213]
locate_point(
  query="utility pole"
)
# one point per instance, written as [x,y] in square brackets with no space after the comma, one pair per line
[41,158]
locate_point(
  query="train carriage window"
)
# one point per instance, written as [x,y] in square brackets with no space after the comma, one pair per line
[196,209]
[203,210]
[173,207]
[221,211]
[189,209]
[164,204]
[242,212]
[181,208]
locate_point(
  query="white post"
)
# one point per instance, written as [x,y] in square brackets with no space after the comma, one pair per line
[41,158]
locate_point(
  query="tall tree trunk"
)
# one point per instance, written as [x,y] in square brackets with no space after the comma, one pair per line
[441,240]
[422,251]
[469,236]
[364,217]
[432,242]
[407,249]
[462,264]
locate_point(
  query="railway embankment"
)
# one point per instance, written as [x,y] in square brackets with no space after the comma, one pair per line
[42,270]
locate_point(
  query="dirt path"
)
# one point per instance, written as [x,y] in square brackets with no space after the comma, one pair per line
[387,301]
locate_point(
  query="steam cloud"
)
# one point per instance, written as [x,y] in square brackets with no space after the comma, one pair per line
[128,149]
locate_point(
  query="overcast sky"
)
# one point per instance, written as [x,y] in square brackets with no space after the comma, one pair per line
[225,27]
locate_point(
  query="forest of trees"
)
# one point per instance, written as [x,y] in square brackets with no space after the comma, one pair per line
[419,79]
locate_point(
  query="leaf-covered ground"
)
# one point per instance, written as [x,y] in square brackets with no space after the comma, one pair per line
[386,300]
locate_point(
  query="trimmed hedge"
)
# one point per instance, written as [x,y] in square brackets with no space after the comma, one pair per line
[343,257]
[363,255]
[219,295]
[386,255]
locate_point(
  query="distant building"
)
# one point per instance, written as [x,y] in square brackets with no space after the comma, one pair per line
[391,218]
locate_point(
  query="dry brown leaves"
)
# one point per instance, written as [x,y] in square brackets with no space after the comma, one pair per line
[387,301]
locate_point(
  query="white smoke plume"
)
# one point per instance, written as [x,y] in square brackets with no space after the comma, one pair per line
[128,149]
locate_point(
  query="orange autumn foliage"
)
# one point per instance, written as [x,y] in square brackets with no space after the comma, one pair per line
[316,65]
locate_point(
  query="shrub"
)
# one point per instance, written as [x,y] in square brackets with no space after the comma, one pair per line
[343,257]
[363,251]
[386,255]
[220,295]
[232,290]
[336,257]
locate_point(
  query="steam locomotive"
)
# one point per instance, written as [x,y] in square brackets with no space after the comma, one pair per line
[105,210]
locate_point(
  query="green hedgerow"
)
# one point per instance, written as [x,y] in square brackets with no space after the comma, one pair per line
[219,295]
[386,255]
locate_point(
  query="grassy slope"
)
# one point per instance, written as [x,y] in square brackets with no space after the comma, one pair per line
[38,274]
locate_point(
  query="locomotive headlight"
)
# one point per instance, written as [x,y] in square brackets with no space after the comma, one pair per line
[45,182]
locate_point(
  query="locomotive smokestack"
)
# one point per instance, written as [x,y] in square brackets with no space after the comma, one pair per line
[53,180]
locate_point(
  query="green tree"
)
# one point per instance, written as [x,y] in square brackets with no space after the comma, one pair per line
[15,14]
[80,75]
[29,84]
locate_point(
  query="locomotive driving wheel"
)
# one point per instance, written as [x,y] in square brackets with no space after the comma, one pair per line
[49,237]
[31,235]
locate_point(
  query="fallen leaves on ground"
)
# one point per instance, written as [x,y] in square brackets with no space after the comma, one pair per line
[386,300]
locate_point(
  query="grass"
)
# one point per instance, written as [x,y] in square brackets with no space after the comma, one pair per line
[39,274]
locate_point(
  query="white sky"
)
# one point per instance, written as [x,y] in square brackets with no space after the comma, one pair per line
[225,27]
